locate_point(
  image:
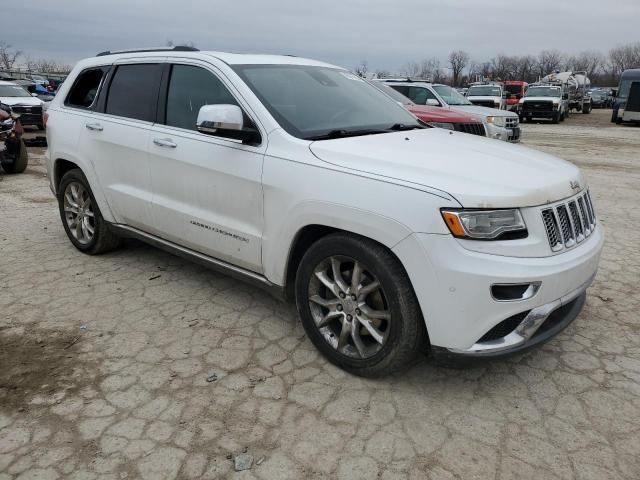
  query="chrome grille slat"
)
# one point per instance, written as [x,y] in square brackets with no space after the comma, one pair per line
[569,223]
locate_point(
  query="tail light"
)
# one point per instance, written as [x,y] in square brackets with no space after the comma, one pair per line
[45,118]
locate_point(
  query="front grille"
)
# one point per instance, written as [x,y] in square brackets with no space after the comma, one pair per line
[484,103]
[537,107]
[472,128]
[511,122]
[35,110]
[568,224]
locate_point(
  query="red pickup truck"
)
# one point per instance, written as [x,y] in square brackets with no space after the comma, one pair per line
[515,91]
[437,116]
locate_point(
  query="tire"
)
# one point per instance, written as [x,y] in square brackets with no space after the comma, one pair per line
[395,342]
[20,162]
[556,118]
[614,116]
[102,239]
[40,127]
[586,109]
[562,117]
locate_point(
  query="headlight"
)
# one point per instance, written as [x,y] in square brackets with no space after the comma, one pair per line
[497,121]
[485,224]
[446,126]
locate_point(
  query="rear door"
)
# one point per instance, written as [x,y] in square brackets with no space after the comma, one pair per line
[116,137]
[207,189]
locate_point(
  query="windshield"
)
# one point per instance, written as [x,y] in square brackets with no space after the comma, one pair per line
[625,86]
[543,92]
[393,93]
[484,91]
[310,101]
[450,95]
[514,89]
[13,91]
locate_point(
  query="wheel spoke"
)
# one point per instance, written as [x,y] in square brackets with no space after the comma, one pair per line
[344,335]
[74,192]
[323,302]
[326,320]
[69,198]
[373,331]
[371,313]
[71,209]
[367,289]
[327,282]
[85,232]
[337,275]
[88,213]
[357,341]
[78,229]
[356,276]
[88,227]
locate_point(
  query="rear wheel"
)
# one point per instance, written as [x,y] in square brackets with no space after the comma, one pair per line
[81,216]
[358,307]
[586,108]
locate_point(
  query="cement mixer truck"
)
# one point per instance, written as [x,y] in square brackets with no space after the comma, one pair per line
[555,96]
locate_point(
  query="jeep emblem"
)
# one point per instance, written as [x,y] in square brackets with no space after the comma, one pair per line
[575,185]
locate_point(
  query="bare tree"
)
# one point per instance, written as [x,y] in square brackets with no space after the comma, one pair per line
[624,57]
[458,59]
[549,61]
[8,55]
[45,65]
[382,73]
[362,69]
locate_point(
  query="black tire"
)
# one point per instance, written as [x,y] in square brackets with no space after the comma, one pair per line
[40,127]
[407,336]
[103,239]
[586,109]
[20,159]
[556,118]
[562,117]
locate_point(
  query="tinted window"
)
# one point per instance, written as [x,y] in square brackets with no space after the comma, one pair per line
[134,91]
[420,95]
[189,89]
[85,88]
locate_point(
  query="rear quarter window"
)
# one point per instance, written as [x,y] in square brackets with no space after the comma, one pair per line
[85,89]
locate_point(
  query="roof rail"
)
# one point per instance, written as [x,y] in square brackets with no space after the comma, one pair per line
[405,79]
[177,48]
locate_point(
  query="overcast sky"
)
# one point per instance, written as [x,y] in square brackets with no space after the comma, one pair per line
[385,33]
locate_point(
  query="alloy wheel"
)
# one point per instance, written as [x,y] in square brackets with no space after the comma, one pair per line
[78,212]
[349,307]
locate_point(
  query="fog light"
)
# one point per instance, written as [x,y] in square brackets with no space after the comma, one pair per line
[514,292]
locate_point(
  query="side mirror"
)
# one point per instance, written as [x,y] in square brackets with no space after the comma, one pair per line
[225,121]
[565,96]
[433,102]
[34,94]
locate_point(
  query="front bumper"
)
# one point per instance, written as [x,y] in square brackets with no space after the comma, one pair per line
[453,286]
[503,133]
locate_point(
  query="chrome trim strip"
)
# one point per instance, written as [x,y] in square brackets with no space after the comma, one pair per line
[527,328]
[210,262]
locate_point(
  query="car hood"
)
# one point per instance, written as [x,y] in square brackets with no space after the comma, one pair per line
[30,101]
[482,111]
[478,172]
[540,99]
[439,114]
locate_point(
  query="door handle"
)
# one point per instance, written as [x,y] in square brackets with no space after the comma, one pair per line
[165,142]
[96,127]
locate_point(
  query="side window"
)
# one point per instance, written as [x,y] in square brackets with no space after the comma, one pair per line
[420,95]
[189,89]
[133,92]
[85,88]
[403,89]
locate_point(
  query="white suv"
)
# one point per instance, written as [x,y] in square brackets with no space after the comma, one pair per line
[393,238]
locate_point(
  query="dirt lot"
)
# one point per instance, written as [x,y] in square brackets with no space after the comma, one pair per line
[138,364]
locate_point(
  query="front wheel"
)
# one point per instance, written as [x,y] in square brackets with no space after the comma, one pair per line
[15,158]
[81,216]
[358,307]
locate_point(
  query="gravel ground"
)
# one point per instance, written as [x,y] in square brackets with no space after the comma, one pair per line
[138,364]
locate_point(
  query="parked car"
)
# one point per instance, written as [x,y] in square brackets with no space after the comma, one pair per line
[599,98]
[393,238]
[544,101]
[515,90]
[37,90]
[622,93]
[21,102]
[437,117]
[489,95]
[501,125]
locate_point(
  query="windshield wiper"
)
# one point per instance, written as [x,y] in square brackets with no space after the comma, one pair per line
[341,133]
[401,127]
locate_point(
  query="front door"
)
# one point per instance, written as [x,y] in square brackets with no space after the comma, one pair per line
[207,190]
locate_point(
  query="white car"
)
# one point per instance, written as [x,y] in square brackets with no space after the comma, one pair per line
[489,95]
[20,101]
[393,238]
[500,125]
[544,101]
